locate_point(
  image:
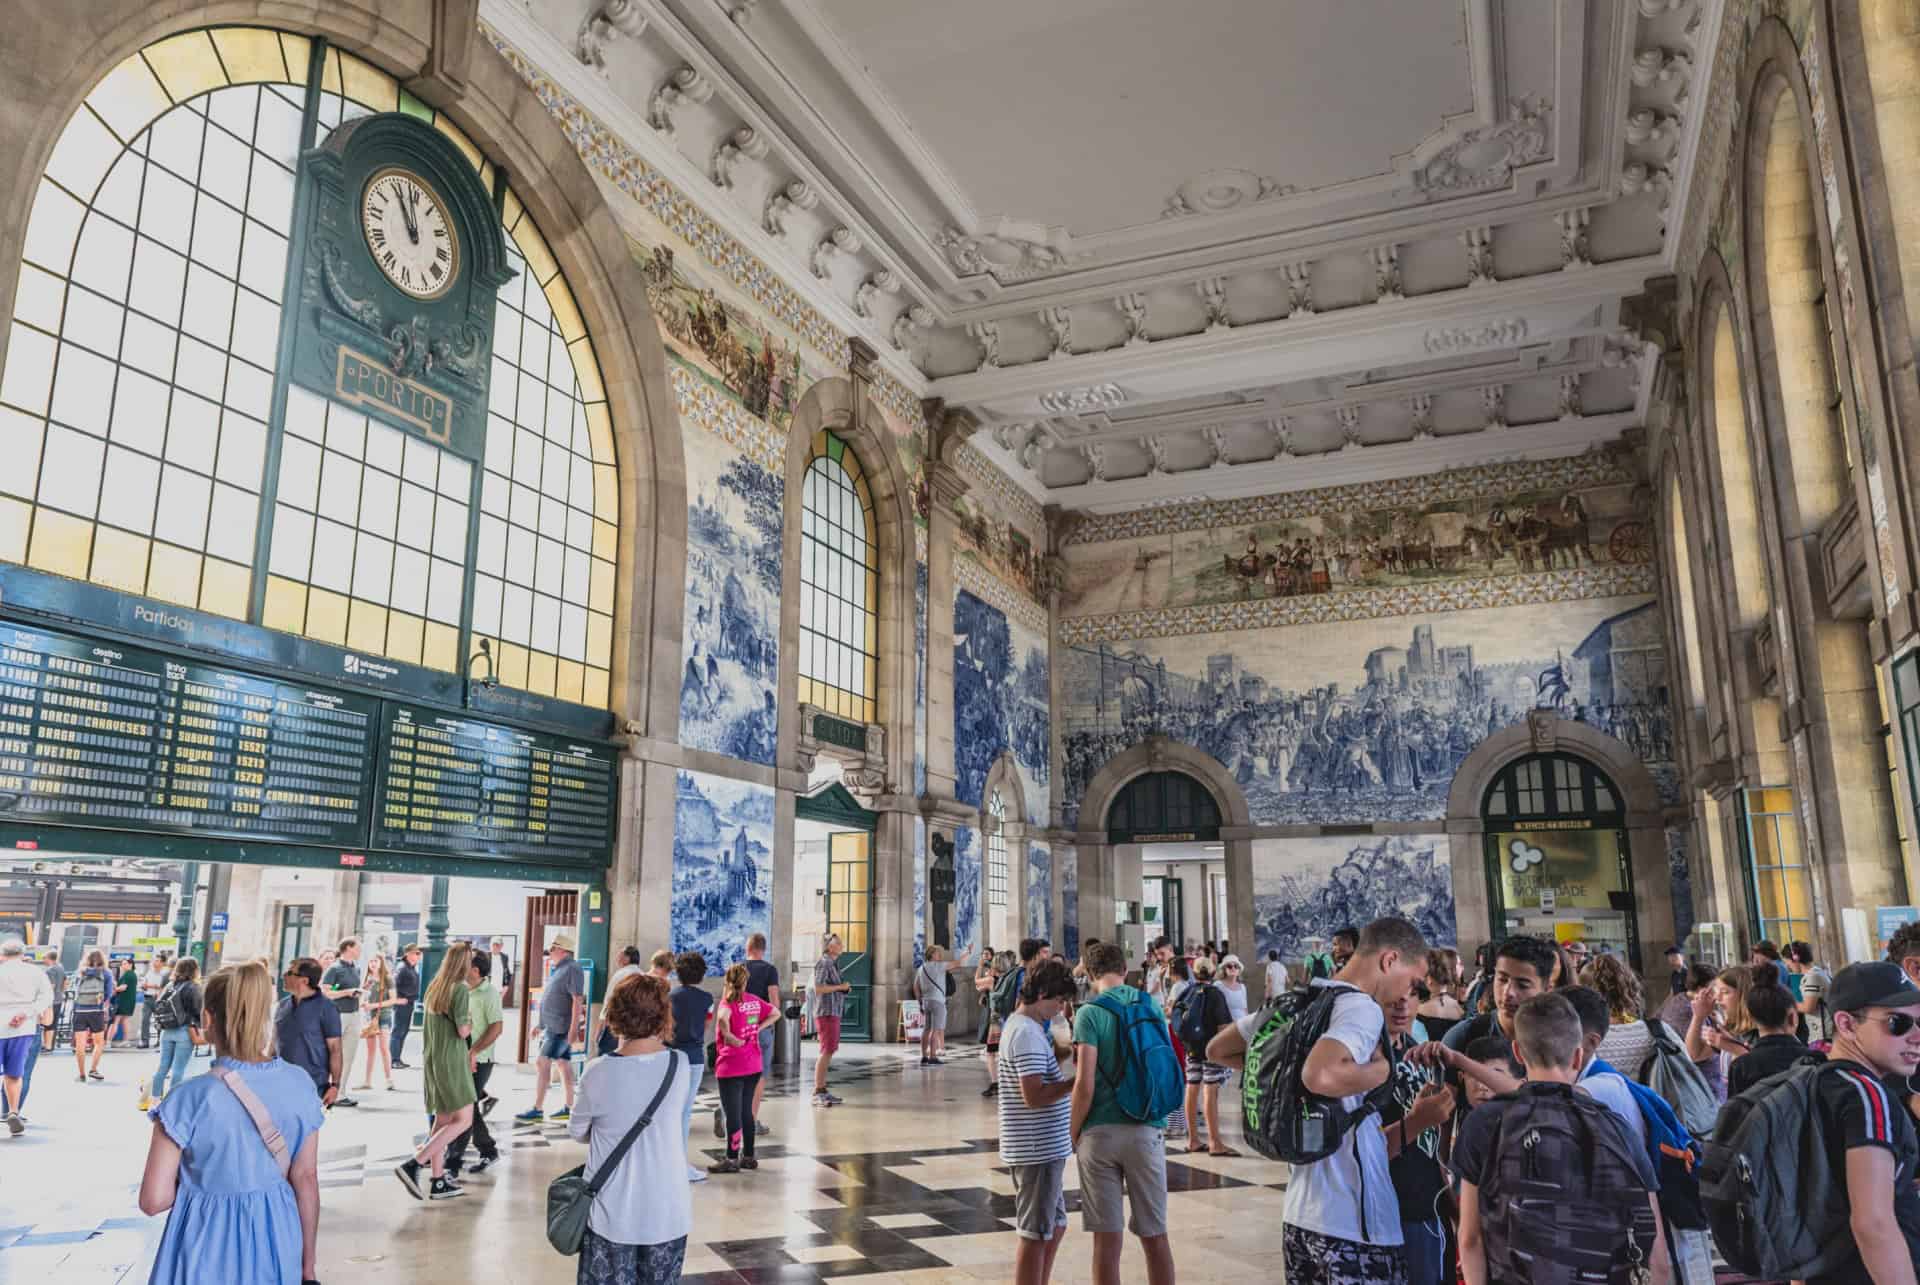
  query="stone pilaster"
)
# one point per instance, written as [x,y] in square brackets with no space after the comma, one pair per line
[948,430]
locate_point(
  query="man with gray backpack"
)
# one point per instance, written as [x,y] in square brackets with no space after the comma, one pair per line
[1810,1174]
[1553,1190]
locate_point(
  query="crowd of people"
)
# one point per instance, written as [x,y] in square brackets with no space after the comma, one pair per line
[1535,1113]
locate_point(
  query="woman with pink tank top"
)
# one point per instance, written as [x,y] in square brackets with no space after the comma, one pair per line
[737,1066]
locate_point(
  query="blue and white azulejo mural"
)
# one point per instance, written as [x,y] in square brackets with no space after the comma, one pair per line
[1000,694]
[1311,887]
[1039,891]
[966,890]
[722,866]
[1067,863]
[730,635]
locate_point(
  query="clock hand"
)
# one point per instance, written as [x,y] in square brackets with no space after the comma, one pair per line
[412,218]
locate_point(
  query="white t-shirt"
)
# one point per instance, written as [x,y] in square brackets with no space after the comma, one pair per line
[1610,1091]
[1236,999]
[1325,1196]
[1276,977]
[647,1200]
[24,993]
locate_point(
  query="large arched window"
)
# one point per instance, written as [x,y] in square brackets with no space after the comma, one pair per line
[139,402]
[839,577]
[1746,553]
[997,850]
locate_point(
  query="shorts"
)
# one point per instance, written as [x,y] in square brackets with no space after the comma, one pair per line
[14,1050]
[1039,1198]
[94,1022]
[827,1031]
[1200,1071]
[555,1048]
[1314,1259]
[1123,1169]
[766,1047]
[936,1013]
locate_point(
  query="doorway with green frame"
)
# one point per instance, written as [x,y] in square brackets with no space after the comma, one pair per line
[833,893]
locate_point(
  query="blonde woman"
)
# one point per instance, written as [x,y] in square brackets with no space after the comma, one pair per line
[232,1213]
[449,1075]
[377,1002]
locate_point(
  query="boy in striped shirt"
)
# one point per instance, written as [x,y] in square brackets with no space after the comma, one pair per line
[1036,1119]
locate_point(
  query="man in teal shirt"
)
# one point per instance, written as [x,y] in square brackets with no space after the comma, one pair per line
[489,1019]
[1123,1162]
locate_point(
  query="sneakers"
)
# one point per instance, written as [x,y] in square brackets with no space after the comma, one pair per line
[95,1075]
[408,1172]
[15,1125]
[834,1098]
[824,1099]
[719,1123]
[402,1066]
[564,1113]
[345,1102]
[483,1164]
[487,1105]
[729,1165]
[760,1130]
[534,1116]
[445,1189]
[990,1091]
[748,1162]
[696,1175]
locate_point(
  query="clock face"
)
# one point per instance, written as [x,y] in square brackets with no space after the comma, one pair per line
[410,233]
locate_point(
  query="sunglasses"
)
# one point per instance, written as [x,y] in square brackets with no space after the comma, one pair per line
[1898,1024]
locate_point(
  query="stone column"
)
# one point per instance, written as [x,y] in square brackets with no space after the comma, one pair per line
[948,431]
[890,934]
[942,819]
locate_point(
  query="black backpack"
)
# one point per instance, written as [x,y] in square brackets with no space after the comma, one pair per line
[166,1009]
[1776,1207]
[1190,1020]
[1281,1120]
[1562,1201]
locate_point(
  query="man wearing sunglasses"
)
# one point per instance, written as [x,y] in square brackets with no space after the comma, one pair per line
[1876,1044]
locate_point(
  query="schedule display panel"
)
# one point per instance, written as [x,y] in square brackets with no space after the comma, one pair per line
[115,737]
[468,787]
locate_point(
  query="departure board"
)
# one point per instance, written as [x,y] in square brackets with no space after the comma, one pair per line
[112,736]
[459,785]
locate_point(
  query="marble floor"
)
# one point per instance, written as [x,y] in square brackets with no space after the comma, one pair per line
[902,1183]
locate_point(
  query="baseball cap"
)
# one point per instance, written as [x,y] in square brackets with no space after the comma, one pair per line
[563,941]
[1873,985]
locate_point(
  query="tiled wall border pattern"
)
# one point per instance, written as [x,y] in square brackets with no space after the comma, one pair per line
[970,575]
[1365,604]
[701,404]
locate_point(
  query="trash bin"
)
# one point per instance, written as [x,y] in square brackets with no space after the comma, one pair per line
[786,1039]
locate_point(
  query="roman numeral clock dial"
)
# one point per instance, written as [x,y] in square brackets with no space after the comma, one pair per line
[410,234]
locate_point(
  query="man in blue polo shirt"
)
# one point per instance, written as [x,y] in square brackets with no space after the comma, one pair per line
[306,1027]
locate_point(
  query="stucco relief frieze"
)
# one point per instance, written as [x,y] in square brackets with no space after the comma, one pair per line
[976,579]
[1486,157]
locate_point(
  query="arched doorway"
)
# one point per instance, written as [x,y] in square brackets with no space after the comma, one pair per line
[1552,779]
[1557,857]
[1155,798]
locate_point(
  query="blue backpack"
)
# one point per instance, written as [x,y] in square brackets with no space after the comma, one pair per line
[1149,1083]
[1674,1154]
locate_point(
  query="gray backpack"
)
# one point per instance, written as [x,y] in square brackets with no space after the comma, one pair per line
[1673,1075]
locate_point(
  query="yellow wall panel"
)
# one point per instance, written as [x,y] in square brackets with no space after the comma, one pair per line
[540,672]
[511,660]
[541,265]
[404,636]
[568,678]
[15,517]
[566,313]
[367,626]
[186,65]
[599,638]
[63,545]
[599,587]
[440,648]
[286,606]
[224,588]
[174,574]
[594,691]
[367,84]
[253,54]
[327,616]
[119,560]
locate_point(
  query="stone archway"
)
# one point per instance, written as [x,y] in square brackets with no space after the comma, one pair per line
[1545,732]
[1099,859]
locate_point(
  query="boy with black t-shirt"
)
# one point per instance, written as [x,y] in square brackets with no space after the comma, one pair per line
[1875,1014]
[1522,968]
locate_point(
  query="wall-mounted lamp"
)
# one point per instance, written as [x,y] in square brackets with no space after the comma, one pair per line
[485,653]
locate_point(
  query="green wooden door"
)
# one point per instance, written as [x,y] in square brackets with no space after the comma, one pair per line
[850,915]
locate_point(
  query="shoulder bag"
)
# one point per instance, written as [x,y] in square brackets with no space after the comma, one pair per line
[570,1196]
[257,1111]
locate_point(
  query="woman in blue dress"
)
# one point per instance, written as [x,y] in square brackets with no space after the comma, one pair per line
[231,1214]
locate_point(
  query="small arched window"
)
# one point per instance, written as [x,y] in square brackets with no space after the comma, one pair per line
[839,584]
[997,851]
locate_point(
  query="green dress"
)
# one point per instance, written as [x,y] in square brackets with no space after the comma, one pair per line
[127,993]
[449,1077]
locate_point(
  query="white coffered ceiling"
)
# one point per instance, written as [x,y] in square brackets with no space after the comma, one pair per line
[1166,249]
